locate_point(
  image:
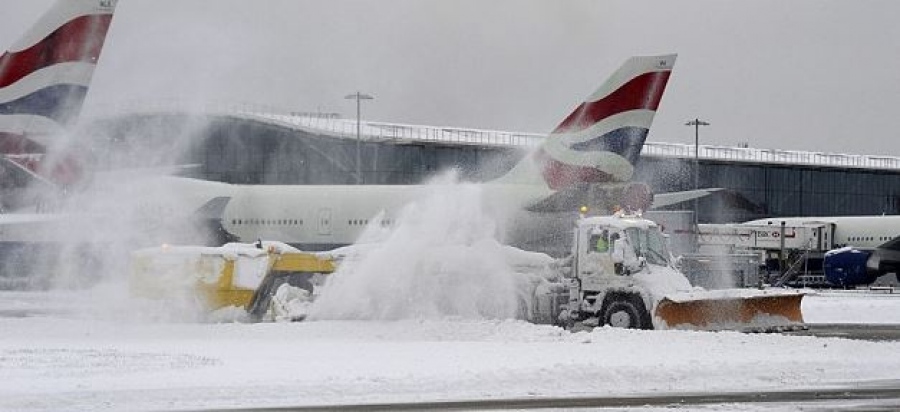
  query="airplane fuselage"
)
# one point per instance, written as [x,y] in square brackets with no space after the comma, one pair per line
[323,217]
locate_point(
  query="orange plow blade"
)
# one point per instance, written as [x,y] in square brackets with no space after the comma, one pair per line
[742,311]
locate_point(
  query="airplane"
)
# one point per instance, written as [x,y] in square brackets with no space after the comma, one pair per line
[44,78]
[590,155]
[866,247]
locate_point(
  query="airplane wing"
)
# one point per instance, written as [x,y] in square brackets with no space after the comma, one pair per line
[893,244]
[572,198]
[672,198]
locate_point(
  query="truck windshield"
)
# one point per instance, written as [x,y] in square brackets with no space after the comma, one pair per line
[650,244]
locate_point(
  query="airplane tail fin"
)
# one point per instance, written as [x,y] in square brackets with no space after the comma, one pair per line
[600,141]
[45,75]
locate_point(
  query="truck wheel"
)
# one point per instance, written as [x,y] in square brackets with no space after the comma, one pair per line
[626,312]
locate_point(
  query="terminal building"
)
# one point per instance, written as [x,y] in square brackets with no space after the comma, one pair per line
[254,147]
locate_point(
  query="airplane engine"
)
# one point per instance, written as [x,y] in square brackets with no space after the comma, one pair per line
[848,267]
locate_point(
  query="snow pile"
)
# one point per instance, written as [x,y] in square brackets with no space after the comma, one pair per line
[852,307]
[441,259]
[51,363]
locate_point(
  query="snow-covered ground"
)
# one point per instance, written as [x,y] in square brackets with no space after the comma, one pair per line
[435,293]
[853,307]
[62,351]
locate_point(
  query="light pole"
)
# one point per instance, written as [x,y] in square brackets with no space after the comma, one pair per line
[359,97]
[696,123]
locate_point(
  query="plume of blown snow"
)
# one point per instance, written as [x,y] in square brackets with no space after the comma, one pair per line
[441,259]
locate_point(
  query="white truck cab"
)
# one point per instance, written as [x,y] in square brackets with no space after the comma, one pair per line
[621,266]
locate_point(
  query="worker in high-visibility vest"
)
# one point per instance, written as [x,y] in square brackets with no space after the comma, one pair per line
[602,242]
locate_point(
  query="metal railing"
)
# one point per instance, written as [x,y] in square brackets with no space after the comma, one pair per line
[755,155]
[331,124]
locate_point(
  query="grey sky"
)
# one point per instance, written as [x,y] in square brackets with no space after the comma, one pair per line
[805,74]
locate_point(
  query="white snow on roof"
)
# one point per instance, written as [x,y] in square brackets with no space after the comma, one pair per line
[331,124]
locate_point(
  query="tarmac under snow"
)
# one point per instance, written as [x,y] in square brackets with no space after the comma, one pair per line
[61,351]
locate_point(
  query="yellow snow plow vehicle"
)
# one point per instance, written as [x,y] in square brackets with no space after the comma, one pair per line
[237,274]
[620,273]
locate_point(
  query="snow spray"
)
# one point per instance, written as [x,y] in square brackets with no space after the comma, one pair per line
[440,260]
[111,213]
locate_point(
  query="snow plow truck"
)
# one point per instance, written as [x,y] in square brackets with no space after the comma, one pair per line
[620,273]
[244,275]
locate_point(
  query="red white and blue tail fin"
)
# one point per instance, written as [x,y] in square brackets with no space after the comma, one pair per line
[45,75]
[600,141]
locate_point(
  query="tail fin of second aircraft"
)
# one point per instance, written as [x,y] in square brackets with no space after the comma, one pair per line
[600,141]
[44,76]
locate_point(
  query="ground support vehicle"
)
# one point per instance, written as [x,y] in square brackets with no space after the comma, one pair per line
[249,276]
[620,273]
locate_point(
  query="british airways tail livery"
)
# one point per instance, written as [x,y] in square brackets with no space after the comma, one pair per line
[44,78]
[600,141]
